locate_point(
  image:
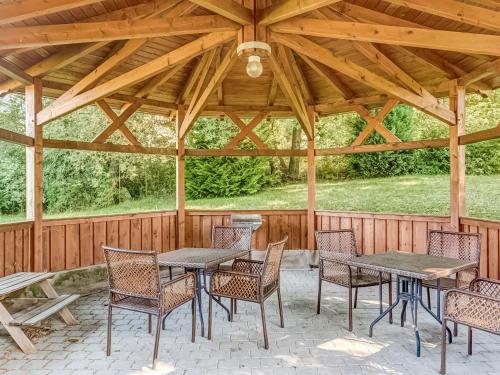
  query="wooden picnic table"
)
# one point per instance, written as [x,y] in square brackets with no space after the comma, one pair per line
[33,315]
[411,269]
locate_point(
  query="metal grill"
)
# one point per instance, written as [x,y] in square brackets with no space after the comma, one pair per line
[246,220]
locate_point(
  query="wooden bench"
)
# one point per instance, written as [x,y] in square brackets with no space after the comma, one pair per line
[33,315]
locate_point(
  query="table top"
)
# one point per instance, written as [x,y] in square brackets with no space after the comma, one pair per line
[199,257]
[21,280]
[418,266]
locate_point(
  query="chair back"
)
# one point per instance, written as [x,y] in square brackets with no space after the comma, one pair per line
[272,262]
[458,245]
[132,273]
[231,237]
[340,242]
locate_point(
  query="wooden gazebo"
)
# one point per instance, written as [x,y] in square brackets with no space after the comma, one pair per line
[178,58]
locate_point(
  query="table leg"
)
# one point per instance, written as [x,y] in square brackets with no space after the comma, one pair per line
[16,332]
[216,299]
[414,311]
[198,296]
[387,311]
[64,313]
[431,313]
[438,301]
[404,285]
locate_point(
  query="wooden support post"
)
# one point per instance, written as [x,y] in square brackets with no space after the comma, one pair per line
[311,183]
[457,157]
[34,158]
[180,185]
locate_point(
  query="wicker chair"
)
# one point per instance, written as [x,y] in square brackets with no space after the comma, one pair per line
[250,280]
[335,246]
[465,246]
[476,307]
[135,284]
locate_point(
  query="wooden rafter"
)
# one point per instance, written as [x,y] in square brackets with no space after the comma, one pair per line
[201,102]
[350,69]
[194,74]
[148,70]
[272,91]
[220,93]
[468,43]
[484,71]
[457,11]
[301,80]
[13,71]
[290,8]
[201,84]
[37,36]
[228,9]
[246,130]
[374,123]
[20,10]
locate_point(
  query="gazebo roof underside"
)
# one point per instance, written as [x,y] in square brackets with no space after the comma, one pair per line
[329,88]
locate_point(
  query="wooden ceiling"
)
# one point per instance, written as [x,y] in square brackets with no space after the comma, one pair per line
[326,54]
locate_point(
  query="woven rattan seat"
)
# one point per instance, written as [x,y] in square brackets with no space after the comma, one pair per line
[335,247]
[476,307]
[250,280]
[135,284]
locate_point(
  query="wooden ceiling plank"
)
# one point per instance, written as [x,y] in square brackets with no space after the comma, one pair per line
[227,63]
[148,70]
[456,11]
[188,85]
[228,9]
[468,43]
[484,71]
[13,71]
[38,36]
[286,64]
[20,10]
[286,9]
[354,71]
[299,74]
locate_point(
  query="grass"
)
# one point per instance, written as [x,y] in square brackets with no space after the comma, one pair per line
[407,194]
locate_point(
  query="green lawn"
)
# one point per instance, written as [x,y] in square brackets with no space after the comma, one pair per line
[408,194]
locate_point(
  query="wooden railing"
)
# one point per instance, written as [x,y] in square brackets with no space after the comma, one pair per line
[74,243]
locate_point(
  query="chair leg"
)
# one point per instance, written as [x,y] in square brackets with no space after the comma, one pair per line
[356,298]
[264,329]
[209,334]
[469,340]
[157,340]
[318,306]
[193,319]
[231,310]
[350,309]
[235,306]
[110,321]
[390,298]
[282,320]
[455,329]
[149,323]
[429,298]
[443,348]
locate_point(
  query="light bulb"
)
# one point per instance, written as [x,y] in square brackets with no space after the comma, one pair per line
[254,66]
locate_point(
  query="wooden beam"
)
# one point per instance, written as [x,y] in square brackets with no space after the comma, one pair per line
[347,105]
[221,72]
[272,91]
[201,84]
[13,71]
[290,8]
[113,117]
[457,11]
[49,35]
[19,10]
[354,71]
[180,186]
[485,70]
[239,152]
[299,76]
[117,122]
[374,123]
[34,173]
[107,147]
[229,9]
[364,149]
[480,136]
[52,63]
[468,43]
[148,70]
[246,130]
[13,137]
[311,185]
[457,157]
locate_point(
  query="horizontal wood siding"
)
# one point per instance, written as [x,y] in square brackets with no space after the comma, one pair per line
[275,224]
[377,233]
[490,244]
[15,248]
[74,243]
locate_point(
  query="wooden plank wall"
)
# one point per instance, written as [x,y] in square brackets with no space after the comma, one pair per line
[377,233]
[15,248]
[490,244]
[74,243]
[275,224]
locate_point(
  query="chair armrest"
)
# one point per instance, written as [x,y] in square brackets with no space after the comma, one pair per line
[473,309]
[486,287]
[175,292]
[336,270]
[254,267]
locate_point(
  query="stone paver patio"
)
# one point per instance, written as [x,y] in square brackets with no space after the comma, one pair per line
[309,344]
